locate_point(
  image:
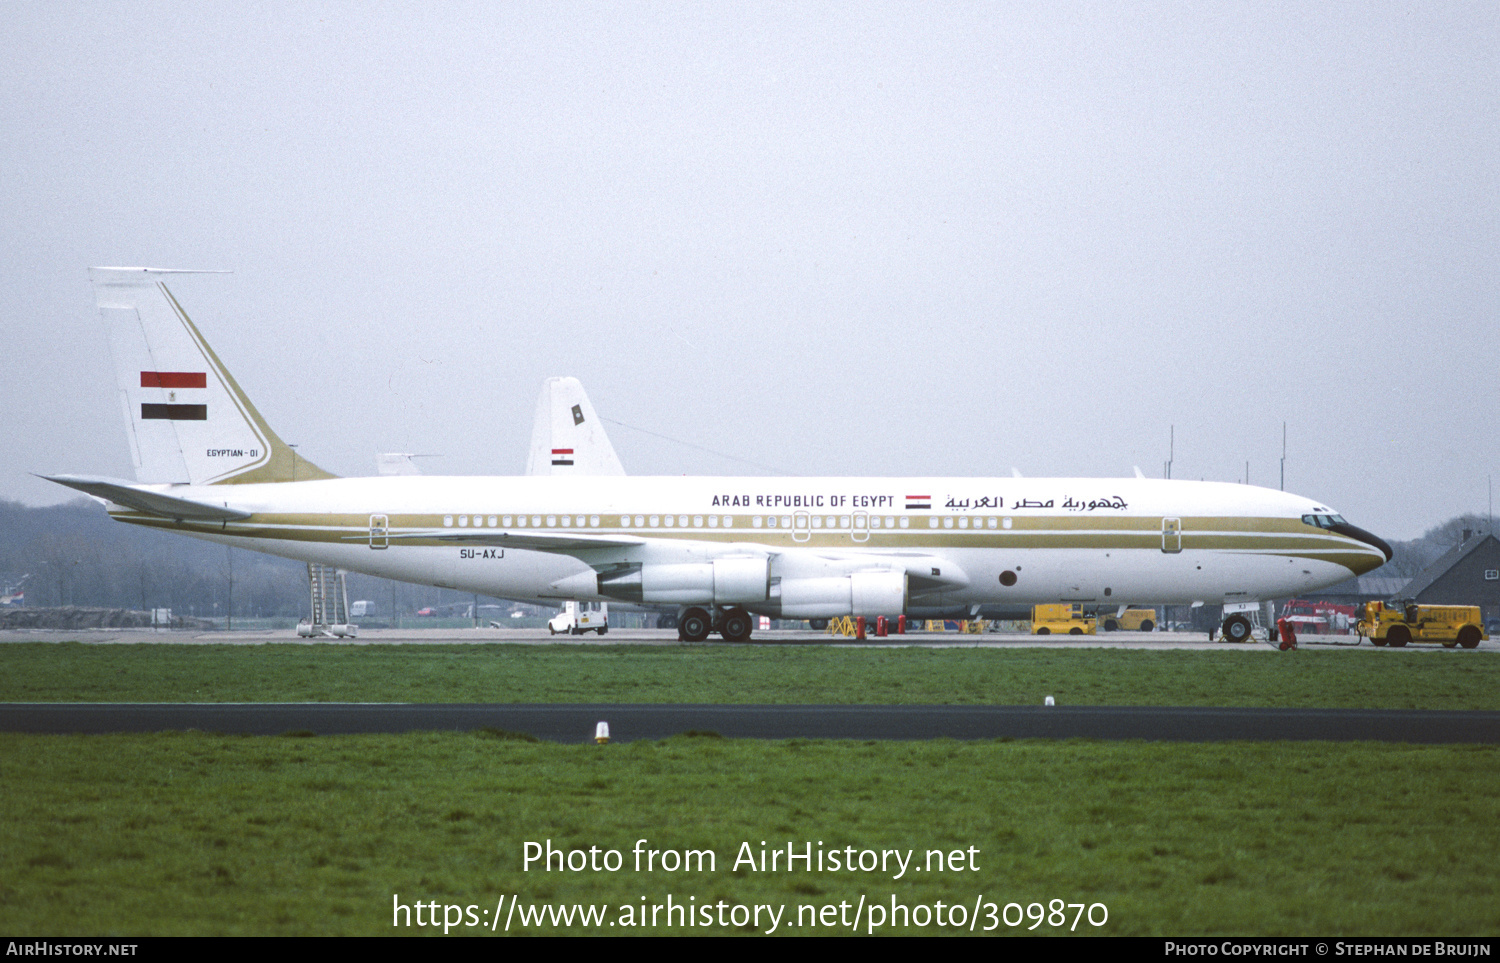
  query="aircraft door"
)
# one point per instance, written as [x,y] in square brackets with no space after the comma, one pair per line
[379,531]
[1171,535]
[861,530]
[801,526]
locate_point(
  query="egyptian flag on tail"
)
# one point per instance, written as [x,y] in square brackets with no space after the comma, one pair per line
[562,456]
[181,393]
[918,502]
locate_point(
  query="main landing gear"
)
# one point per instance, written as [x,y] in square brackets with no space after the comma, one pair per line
[733,624]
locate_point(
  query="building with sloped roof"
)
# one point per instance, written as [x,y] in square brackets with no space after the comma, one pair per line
[1466,574]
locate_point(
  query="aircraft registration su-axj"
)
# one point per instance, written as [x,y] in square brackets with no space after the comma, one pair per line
[722,549]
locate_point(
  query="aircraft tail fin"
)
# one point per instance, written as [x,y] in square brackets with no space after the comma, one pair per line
[567,437]
[188,420]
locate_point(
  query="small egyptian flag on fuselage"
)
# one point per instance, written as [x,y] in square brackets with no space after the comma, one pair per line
[918,501]
[562,456]
[172,410]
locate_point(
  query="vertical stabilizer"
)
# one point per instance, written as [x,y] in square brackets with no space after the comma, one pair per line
[188,421]
[567,438]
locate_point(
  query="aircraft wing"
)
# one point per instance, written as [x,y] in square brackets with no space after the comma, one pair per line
[145,500]
[928,573]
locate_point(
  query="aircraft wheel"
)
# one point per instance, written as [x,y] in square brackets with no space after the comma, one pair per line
[1468,636]
[817,625]
[1148,625]
[1398,636]
[694,625]
[666,622]
[734,626]
[1236,628]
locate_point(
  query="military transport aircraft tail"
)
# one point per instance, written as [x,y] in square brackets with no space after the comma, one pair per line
[187,420]
[567,438]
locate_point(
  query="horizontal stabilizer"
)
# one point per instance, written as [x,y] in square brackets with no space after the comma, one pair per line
[146,500]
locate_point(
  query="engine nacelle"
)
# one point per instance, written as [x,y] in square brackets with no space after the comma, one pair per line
[862,593]
[722,581]
[741,581]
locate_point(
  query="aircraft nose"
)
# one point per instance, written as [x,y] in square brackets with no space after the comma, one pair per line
[1370,539]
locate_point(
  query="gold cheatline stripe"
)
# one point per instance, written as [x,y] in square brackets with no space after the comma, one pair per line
[355,530]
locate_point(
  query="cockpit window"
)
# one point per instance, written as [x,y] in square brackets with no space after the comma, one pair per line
[1323,521]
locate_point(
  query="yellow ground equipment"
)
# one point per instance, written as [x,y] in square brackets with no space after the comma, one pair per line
[1400,622]
[1064,619]
[1131,620]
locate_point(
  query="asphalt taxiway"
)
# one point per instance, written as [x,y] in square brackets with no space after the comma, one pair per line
[578,723]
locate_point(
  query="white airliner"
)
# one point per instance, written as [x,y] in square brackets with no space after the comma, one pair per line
[722,549]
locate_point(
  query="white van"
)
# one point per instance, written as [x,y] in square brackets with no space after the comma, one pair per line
[577,618]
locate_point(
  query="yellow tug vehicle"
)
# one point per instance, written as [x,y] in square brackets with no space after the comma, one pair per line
[1401,622]
[1062,619]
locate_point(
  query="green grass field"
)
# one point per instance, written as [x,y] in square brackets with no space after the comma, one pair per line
[1368,678]
[202,834]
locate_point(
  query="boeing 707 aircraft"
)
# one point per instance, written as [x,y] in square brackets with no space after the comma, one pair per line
[721,549]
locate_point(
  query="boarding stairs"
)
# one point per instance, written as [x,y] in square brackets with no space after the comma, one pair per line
[330,604]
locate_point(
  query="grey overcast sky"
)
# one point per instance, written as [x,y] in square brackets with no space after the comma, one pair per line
[848,238]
